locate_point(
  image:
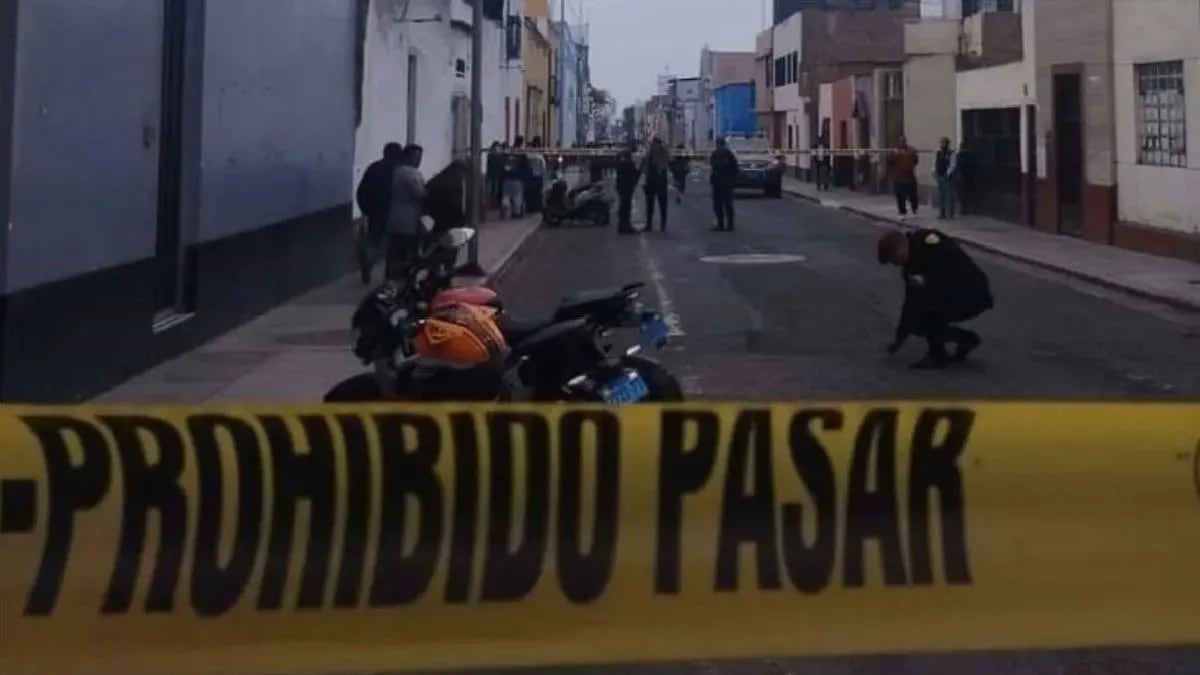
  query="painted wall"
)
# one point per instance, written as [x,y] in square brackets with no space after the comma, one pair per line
[278,113]
[735,109]
[569,84]
[92,124]
[1078,32]
[1159,196]
[385,84]
[84,182]
[437,47]
[930,105]
[1004,86]
[788,37]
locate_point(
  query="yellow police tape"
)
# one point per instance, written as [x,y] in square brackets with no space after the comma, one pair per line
[322,539]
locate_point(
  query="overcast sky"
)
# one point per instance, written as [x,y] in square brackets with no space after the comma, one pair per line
[633,41]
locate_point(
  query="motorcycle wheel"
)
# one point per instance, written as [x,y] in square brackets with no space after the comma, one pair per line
[664,387]
[362,388]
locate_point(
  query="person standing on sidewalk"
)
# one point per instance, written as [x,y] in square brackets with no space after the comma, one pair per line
[823,164]
[942,287]
[655,168]
[516,168]
[902,169]
[404,216]
[722,177]
[965,174]
[627,180]
[679,172]
[944,172]
[374,196]
[537,176]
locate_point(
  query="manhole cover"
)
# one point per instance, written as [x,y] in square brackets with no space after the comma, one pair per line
[754,258]
[325,338]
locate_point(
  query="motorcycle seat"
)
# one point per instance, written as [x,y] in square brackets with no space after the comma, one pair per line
[599,301]
[518,330]
[549,332]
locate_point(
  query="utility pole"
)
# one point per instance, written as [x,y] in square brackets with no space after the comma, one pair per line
[560,70]
[475,182]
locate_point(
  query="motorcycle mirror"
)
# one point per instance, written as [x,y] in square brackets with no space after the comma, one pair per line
[457,237]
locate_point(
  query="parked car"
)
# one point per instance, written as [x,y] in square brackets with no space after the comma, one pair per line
[761,172]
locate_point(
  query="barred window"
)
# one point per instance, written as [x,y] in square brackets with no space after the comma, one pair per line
[1162,115]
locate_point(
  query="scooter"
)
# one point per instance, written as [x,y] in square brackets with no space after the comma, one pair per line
[587,203]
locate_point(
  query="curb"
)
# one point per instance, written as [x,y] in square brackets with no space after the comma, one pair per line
[1170,301]
[514,255]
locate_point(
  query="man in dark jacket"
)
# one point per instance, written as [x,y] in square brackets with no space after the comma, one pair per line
[444,196]
[723,176]
[374,197]
[943,287]
[628,176]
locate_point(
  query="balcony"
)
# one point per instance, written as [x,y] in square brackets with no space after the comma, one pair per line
[932,37]
[990,38]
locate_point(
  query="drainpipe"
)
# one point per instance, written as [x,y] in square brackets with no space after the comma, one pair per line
[475,184]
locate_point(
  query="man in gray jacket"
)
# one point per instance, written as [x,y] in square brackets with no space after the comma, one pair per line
[404,215]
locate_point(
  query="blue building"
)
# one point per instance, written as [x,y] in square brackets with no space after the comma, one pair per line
[733,108]
[169,176]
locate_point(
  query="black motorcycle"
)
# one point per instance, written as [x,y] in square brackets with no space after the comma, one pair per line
[569,357]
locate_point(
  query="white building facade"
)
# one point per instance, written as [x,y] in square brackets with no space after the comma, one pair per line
[417,79]
[1157,120]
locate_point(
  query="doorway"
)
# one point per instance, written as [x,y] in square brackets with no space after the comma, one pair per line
[169,308]
[1068,151]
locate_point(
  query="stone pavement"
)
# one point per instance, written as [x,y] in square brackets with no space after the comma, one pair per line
[296,351]
[1166,280]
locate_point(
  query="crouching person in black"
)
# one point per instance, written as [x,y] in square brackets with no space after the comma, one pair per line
[943,287]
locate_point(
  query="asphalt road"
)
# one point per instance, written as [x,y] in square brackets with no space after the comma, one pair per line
[815,328]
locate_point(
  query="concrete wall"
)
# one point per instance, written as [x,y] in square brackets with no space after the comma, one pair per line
[279,119]
[1162,197]
[1078,32]
[86,128]
[385,83]
[930,105]
[83,187]
[788,37]
[8,55]
[932,36]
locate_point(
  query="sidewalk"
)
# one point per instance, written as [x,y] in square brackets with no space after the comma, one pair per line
[296,351]
[1166,280]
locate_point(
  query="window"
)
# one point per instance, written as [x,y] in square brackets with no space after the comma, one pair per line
[1162,116]
[769,67]
[780,71]
[795,68]
[460,67]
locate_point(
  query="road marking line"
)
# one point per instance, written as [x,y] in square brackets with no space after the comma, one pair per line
[674,326]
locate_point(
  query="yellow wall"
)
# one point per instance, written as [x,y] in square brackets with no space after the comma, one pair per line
[536,54]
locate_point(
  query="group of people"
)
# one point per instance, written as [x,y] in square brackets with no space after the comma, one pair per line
[393,195]
[954,171]
[516,176]
[658,170]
